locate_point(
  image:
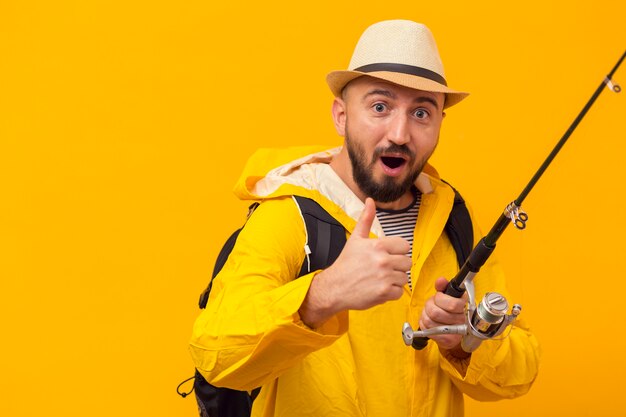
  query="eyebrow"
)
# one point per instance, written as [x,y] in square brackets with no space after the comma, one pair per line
[427,100]
[387,93]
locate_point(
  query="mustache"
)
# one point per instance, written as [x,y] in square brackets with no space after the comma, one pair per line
[393,148]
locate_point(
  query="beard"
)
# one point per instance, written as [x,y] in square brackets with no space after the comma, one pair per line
[388,189]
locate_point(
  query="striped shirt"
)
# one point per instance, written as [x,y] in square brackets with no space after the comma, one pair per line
[401,222]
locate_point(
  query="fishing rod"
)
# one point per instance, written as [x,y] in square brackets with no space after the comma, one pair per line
[490,318]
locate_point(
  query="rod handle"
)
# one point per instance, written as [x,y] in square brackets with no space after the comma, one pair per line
[455,288]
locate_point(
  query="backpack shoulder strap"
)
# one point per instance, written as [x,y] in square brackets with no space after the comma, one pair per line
[325,236]
[459,228]
[222,257]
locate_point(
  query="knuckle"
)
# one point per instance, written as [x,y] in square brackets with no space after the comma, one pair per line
[426,322]
[454,305]
[378,244]
[383,262]
[427,312]
[383,290]
[438,315]
[387,291]
[449,303]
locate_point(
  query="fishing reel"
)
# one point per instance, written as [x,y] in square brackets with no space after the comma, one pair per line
[484,321]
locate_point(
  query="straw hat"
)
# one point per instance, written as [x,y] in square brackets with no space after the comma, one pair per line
[401,52]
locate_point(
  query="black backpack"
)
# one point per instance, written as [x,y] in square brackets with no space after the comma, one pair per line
[326,239]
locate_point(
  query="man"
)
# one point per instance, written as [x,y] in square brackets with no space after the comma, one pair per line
[328,343]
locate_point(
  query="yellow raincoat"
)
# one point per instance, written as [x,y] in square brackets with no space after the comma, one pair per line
[356,364]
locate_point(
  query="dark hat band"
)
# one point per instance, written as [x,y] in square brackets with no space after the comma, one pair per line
[404,69]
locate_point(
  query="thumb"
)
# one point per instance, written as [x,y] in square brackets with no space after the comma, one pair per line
[441,284]
[364,224]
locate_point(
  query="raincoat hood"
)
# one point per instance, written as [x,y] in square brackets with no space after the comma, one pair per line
[305,171]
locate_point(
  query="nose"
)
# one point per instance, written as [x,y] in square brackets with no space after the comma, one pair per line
[398,131]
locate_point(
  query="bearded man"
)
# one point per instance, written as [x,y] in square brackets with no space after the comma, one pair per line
[328,343]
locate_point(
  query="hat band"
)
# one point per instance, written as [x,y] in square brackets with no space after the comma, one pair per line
[404,69]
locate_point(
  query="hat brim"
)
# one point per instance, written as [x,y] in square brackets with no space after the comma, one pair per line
[337,80]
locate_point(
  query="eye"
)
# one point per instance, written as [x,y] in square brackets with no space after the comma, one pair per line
[421,114]
[379,107]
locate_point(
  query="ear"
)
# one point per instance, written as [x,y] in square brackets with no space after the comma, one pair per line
[339,116]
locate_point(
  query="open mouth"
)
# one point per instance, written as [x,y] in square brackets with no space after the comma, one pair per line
[392,162]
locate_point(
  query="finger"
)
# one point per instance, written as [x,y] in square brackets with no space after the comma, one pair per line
[393,293]
[434,317]
[364,224]
[395,245]
[399,278]
[449,303]
[447,342]
[400,263]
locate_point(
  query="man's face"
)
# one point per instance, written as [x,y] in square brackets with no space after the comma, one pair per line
[390,132]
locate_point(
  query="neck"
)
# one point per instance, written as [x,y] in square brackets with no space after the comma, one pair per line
[399,204]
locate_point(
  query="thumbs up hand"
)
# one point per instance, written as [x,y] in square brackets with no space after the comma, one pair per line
[368,272]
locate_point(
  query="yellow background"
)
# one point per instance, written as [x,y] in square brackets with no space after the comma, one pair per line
[124,126]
